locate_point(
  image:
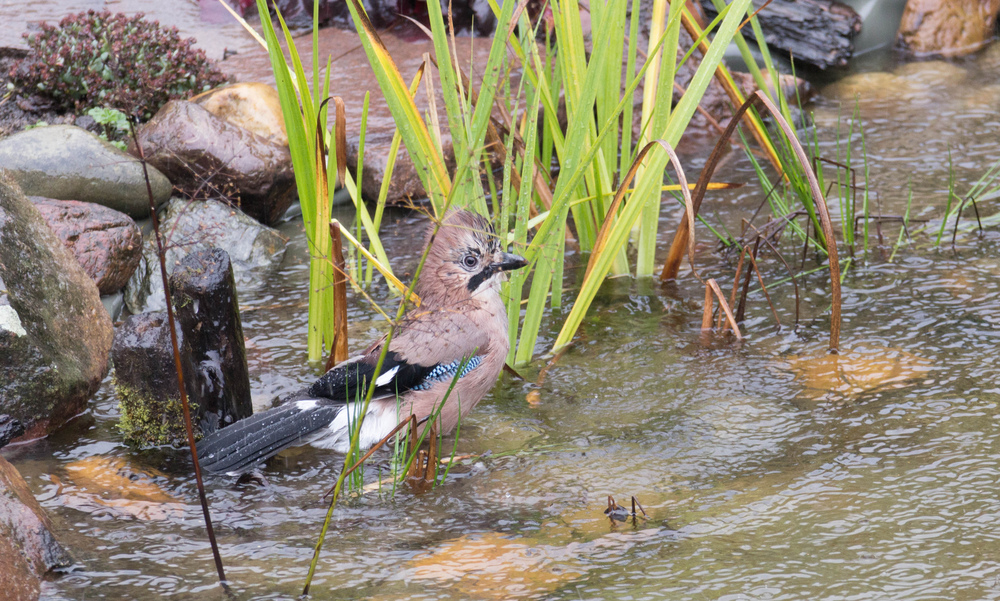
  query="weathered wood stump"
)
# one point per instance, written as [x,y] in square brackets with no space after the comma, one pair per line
[213,357]
[817,32]
[204,294]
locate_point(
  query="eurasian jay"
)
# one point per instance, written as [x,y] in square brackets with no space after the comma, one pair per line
[461,323]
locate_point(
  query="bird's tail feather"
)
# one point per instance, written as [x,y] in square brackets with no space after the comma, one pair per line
[238,447]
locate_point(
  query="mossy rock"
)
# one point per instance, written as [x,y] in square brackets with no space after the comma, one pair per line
[152,420]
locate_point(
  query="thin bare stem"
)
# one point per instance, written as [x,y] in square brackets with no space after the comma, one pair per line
[188,426]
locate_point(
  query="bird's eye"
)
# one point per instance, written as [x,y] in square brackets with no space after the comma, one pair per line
[470,261]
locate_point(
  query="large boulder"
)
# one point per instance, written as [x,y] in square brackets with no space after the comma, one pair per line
[28,550]
[54,333]
[192,225]
[947,27]
[208,157]
[106,242]
[69,163]
[254,106]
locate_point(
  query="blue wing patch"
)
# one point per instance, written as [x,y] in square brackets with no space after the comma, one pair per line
[446,371]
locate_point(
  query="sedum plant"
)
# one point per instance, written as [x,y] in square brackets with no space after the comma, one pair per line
[113,60]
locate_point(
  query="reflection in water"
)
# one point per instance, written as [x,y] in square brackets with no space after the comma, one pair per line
[759,484]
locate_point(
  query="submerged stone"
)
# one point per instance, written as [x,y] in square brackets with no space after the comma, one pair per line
[69,163]
[54,332]
[120,487]
[255,250]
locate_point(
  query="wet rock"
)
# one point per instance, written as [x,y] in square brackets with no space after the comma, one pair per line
[913,83]
[204,295]
[931,74]
[54,333]
[113,304]
[208,157]
[947,27]
[210,339]
[69,163]
[872,86]
[28,549]
[10,429]
[858,369]
[254,106]
[105,242]
[190,225]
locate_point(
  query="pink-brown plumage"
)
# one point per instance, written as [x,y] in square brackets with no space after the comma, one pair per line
[462,318]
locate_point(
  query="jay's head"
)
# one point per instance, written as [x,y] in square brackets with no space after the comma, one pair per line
[465,259]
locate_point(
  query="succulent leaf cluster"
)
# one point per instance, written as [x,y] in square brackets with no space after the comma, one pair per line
[113,60]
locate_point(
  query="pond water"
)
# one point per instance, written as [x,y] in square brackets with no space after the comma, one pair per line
[768,469]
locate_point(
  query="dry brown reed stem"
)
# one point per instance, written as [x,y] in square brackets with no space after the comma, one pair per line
[741,307]
[712,289]
[185,406]
[423,468]
[763,287]
[707,311]
[788,268]
[736,279]
[683,238]
[689,207]
[338,350]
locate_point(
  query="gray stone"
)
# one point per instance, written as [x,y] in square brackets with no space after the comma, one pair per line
[65,162]
[10,429]
[113,304]
[54,333]
[191,225]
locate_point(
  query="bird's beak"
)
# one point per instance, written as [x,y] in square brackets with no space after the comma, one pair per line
[509,262]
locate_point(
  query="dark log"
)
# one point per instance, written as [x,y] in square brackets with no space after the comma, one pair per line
[213,357]
[203,290]
[817,32]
